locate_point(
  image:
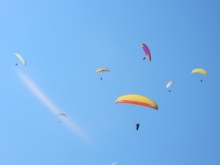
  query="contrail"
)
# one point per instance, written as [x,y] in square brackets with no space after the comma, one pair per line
[51,106]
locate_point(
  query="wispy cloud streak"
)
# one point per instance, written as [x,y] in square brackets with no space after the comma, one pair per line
[51,106]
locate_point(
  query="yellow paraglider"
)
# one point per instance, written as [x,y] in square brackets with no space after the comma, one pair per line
[199,70]
[138,100]
[20,58]
[102,70]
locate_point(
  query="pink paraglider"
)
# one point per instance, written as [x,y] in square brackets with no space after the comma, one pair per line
[146,51]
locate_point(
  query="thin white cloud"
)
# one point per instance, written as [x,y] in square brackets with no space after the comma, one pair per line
[51,106]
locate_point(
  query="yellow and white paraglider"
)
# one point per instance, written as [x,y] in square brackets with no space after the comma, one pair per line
[199,70]
[137,100]
[102,70]
[20,58]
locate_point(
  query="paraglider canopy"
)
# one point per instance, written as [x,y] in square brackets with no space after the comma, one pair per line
[138,100]
[20,58]
[169,83]
[61,114]
[199,70]
[102,70]
[146,51]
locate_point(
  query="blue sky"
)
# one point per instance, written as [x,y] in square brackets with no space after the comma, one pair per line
[65,42]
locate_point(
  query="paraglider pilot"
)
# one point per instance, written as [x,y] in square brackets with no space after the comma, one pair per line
[137,126]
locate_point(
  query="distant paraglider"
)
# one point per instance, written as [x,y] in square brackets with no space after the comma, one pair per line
[199,70]
[61,114]
[146,51]
[169,83]
[138,100]
[20,58]
[102,70]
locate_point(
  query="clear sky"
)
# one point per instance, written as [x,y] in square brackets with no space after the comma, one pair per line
[64,42]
